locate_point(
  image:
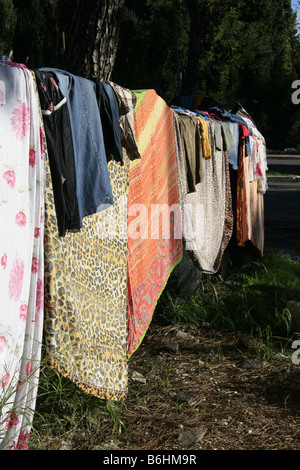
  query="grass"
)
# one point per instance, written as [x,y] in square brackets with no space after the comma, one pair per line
[277,173]
[252,300]
[63,409]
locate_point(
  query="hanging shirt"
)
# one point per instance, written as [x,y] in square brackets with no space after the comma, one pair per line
[191,141]
[127,102]
[93,185]
[233,152]
[206,148]
[225,115]
[110,119]
[60,151]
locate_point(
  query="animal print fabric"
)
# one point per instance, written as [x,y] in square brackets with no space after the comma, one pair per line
[86,294]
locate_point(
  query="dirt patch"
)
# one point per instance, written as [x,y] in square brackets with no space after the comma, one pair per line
[209,380]
[200,389]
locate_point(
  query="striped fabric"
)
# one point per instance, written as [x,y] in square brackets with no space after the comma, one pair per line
[154,236]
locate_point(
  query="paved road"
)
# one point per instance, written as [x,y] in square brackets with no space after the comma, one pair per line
[284,164]
[282,208]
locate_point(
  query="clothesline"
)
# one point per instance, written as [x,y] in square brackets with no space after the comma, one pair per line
[102,189]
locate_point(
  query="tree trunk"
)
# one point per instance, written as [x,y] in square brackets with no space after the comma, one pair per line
[90,37]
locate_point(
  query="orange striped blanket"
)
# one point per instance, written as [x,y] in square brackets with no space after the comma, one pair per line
[154,223]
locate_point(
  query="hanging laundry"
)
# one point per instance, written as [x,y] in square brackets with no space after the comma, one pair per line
[86,287]
[249,207]
[255,212]
[180,158]
[125,182]
[22,157]
[110,120]
[258,159]
[127,102]
[192,147]
[246,150]
[207,217]
[93,186]
[154,245]
[251,186]
[233,152]
[60,151]
[215,109]
[86,294]
[205,144]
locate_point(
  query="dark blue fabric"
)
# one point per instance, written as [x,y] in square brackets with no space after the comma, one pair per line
[110,119]
[60,151]
[92,176]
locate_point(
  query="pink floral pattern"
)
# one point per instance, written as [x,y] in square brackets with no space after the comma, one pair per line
[23,440]
[21,258]
[40,295]
[12,420]
[42,145]
[10,178]
[21,219]
[29,368]
[23,312]
[2,343]
[16,280]
[34,265]
[32,157]
[5,380]
[21,120]
[4,260]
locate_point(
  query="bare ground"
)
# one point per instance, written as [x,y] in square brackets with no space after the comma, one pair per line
[215,381]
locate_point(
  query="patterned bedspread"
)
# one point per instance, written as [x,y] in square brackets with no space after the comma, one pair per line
[154,222]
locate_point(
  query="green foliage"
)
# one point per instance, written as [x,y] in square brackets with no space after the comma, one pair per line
[146,55]
[8,19]
[35,39]
[253,300]
[250,55]
[250,52]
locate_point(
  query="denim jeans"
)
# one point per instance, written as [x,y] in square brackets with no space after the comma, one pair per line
[92,177]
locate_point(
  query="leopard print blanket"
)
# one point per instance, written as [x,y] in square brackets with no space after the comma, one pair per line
[85,330]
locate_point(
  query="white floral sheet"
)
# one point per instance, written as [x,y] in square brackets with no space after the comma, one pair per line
[21,252]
